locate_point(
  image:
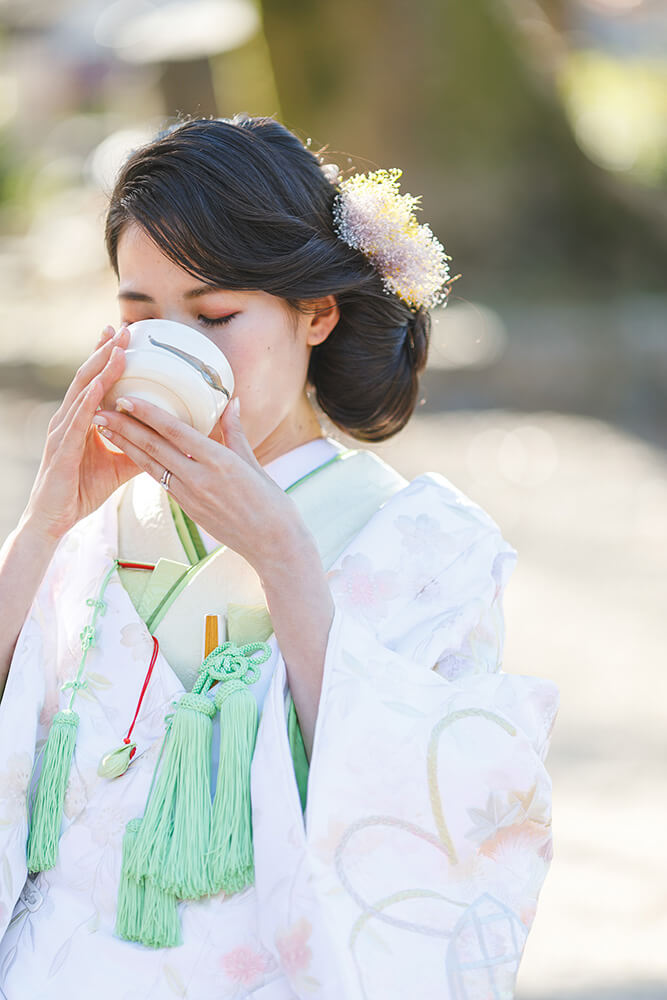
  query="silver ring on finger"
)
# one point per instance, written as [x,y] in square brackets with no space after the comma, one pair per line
[166,479]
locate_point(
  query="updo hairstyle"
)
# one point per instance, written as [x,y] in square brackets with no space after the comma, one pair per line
[242,203]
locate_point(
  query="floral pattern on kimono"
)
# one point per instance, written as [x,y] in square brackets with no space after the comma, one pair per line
[426,835]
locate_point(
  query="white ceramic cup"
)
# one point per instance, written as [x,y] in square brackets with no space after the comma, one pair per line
[175,367]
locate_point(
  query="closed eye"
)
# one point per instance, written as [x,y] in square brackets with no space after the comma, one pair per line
[216,320]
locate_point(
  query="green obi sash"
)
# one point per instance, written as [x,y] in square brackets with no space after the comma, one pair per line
[335,501]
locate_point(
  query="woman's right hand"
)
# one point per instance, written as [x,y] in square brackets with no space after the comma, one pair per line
[78,472]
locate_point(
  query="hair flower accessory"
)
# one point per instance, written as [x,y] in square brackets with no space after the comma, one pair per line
[371,215]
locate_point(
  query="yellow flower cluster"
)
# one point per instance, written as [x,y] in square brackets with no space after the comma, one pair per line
[372,216]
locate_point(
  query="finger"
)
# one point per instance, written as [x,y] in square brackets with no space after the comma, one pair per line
[107,333]
[179,434]
[233,434]
[160,450]
[75,433]
[148,461]
[110,372]
[125,468]
[92,367]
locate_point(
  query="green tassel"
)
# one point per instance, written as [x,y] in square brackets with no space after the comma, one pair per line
[47,811]
[172,844]
[130,891]
[185,872]
[160,925]
[231,860]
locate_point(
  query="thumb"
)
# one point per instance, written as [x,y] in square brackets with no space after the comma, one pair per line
[233,433]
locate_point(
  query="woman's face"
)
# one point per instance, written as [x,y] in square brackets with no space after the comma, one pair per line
[267,345]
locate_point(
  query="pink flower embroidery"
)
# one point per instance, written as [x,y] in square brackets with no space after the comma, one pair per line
[14,783]
[136,636]
[361,589]
[517,846]
[293,948]
[244,965]
[107,825]
[422,535]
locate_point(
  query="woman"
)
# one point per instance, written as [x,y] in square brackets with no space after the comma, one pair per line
[400,807]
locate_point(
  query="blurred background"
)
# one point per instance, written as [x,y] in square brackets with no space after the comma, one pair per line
[536,133]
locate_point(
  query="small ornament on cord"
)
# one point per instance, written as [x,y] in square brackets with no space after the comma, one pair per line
[371,215]
[116,762]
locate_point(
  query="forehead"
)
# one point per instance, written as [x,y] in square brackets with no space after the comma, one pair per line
[146,274]
[136,248]
[143,266]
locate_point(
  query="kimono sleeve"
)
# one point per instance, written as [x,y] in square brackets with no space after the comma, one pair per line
[427,830]
[21,709]
[42,657]
[428,821]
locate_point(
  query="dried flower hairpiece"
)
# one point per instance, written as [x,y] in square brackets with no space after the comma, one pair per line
[371,215]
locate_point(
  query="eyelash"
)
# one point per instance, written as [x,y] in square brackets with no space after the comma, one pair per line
[220,321]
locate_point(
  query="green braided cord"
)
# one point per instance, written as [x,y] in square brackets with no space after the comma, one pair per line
[227,689]
[168,720]
[75,685]
[228,661]
[88,635]
[98,603]
[198,703]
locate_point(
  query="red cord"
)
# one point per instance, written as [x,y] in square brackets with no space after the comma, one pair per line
[156,646]
[133,565]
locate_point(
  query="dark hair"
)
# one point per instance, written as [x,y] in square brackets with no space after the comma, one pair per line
[243,204]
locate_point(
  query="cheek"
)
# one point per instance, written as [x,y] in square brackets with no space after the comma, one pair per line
[265,366]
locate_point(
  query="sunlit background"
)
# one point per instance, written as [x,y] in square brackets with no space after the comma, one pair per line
[536,133]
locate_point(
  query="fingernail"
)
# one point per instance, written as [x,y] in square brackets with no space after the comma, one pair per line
[99,420]
[236,406]
[125,405]
[104,431]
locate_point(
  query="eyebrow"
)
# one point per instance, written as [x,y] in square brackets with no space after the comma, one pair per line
[193,293]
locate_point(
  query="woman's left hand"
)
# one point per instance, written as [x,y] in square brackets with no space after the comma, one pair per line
[221,486]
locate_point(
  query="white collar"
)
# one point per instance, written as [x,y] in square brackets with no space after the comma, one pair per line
[287,468]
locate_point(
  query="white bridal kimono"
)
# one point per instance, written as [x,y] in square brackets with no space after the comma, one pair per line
[416,866]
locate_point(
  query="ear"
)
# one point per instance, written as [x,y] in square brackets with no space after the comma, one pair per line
[323,314]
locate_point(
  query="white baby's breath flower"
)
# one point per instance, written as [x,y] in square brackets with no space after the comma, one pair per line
[371,215]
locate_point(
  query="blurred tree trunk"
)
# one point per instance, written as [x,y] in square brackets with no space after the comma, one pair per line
[445,90]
